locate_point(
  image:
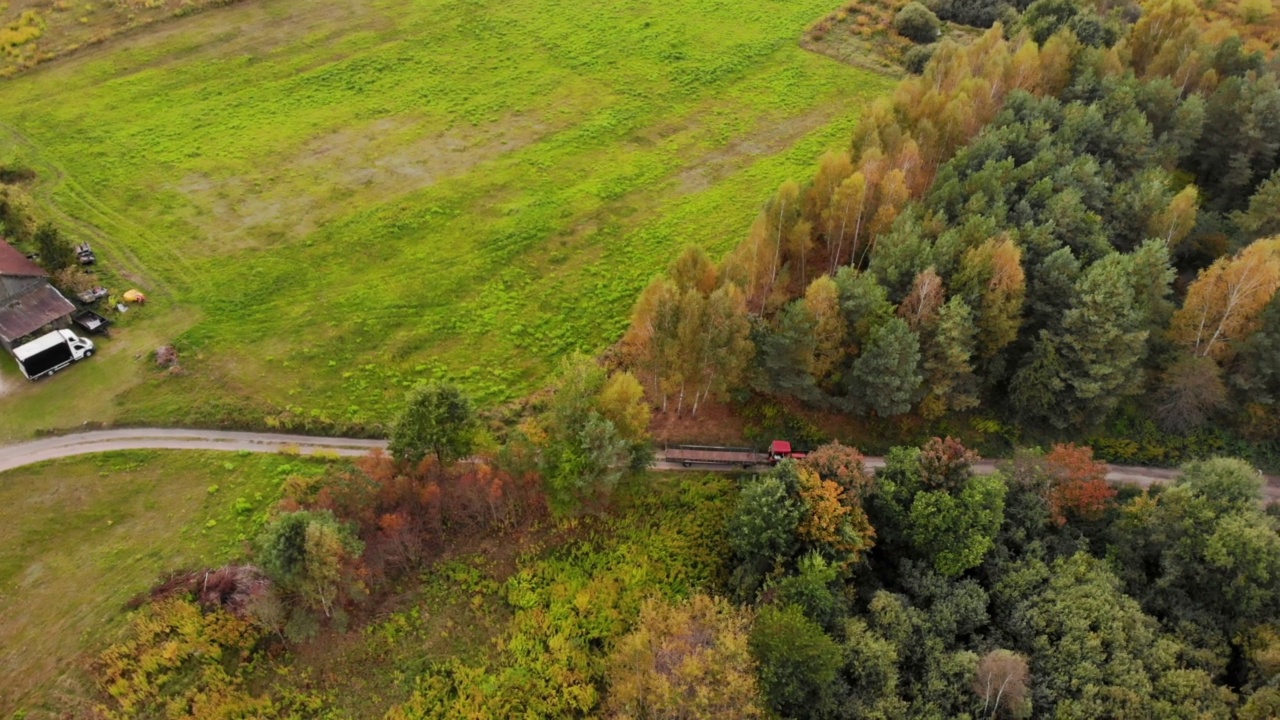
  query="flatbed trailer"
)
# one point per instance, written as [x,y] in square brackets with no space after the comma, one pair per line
[690,455]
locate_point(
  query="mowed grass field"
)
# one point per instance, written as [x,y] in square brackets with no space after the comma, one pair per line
[328,202]
[80,537]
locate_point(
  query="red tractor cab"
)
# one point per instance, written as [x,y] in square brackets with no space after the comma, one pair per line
[780,450]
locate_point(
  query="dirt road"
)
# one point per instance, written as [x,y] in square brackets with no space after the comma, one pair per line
[51,448]
[1120,474]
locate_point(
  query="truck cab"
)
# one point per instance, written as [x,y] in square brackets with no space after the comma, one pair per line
[780,450]
[81,347]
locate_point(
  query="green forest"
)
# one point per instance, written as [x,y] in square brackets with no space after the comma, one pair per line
[1058,236]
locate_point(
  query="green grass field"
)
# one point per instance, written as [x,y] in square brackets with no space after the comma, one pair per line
[331,201]
[80,537]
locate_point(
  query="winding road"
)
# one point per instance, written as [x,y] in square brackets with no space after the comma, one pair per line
[52,448]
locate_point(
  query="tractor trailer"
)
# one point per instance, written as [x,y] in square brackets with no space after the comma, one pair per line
[689,455]
[50,353]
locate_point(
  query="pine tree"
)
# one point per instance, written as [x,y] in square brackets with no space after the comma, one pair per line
[1257,367]
[1263,216]
[1052,290]
[786,353]
[948,368]
[1152,277]
[865,304]
[1036,389]
[886,377]
[1102,341]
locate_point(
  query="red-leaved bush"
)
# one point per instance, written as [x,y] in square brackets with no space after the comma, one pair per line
[405,514]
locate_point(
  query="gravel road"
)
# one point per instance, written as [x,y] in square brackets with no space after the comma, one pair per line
[51,448]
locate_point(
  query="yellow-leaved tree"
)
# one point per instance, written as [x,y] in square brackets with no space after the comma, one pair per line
[822,299]
[1224,302]
[994,284]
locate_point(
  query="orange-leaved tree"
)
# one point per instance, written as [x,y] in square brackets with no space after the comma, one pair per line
[833,521]
[1079,484]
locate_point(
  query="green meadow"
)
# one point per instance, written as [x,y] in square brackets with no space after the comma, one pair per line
[328,202]
[82,536]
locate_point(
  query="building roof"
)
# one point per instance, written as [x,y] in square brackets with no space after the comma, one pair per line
[31,310]
[13,262]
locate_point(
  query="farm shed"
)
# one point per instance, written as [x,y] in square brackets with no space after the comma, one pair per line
[28,302]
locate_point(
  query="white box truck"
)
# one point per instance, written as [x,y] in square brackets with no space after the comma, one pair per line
[50,353]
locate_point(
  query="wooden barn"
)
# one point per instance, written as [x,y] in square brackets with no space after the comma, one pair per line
[28,303]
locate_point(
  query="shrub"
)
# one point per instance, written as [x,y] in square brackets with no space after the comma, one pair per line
[917,23]
[573,604]
[689,660]
[978,13]
[1255,11]
[56,252]
[180,662]
[917,58]
[312,555]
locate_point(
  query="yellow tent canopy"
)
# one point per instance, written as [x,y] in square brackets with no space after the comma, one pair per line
[135,296]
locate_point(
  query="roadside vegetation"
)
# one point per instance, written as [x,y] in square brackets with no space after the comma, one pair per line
[403,587]
[326,202]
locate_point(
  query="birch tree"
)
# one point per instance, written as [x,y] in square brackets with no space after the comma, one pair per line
[1224,303]
[845,219]
[1002,683]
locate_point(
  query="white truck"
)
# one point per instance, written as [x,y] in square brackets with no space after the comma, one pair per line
[50,353]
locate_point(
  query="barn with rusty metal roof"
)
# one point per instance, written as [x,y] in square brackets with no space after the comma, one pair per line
[28,303]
